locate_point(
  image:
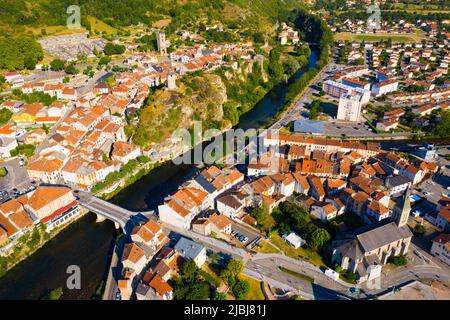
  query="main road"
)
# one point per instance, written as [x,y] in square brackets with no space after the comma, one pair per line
[297,111]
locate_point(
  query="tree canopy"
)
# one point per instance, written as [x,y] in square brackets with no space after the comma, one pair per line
[19,52]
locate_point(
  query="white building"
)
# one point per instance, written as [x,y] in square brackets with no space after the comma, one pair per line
[230,205]
[441,247]
[384,87]
[294,240]
[191,250]
[180,208]
[337,89]
[349,108]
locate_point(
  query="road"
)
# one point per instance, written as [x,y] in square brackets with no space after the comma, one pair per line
[267,265]
[298,110]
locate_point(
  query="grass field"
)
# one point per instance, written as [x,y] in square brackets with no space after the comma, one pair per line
[255,292]
[421,8]
[54,30]
[99,26]
[400,38]
[162,23]
[266,247]
[300,253]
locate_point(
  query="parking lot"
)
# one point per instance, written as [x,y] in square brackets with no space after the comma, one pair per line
[244,231]
[15,181]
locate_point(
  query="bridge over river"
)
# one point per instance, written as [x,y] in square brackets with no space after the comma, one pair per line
[121,217]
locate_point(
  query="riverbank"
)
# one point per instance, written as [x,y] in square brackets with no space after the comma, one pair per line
[83,243]
[19,255]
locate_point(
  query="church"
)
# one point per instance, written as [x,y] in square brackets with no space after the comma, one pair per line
[365,250]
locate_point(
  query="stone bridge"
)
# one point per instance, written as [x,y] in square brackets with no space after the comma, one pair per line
[121,217]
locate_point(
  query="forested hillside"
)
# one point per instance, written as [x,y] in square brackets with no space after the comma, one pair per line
[20,15]
[22,21]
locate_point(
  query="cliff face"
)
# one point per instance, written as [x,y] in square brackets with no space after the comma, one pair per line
[197,98]
[215,98]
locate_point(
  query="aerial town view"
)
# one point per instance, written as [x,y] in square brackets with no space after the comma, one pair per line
[225,150]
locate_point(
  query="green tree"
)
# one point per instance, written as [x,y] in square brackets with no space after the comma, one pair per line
[220,296]
[70,69]
[260,215]
[233,268]
[55,294]
[189,269]
[214,257]
[241,289]
[57,65]
[112,49]
[318,238]
[442,129]
[399,260]
[419,229]
[19,52]
[5,115]
[198,291]
[104,60]
[290,65]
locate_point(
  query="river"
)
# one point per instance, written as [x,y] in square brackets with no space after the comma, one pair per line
[88,244]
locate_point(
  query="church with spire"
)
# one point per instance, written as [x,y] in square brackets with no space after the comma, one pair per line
[365,250]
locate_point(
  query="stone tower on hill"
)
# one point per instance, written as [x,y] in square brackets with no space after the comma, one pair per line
[162,43]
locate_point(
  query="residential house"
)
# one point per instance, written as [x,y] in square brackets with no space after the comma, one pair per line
[441,247]
[124,152]
[158,285]
[150,235]
[14,219]
[231,204]
[217,224]
[180,208]
[133,258]
[301,183]
[317,190]
[45,169]
[443,218]
[191,250]
[324,211]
